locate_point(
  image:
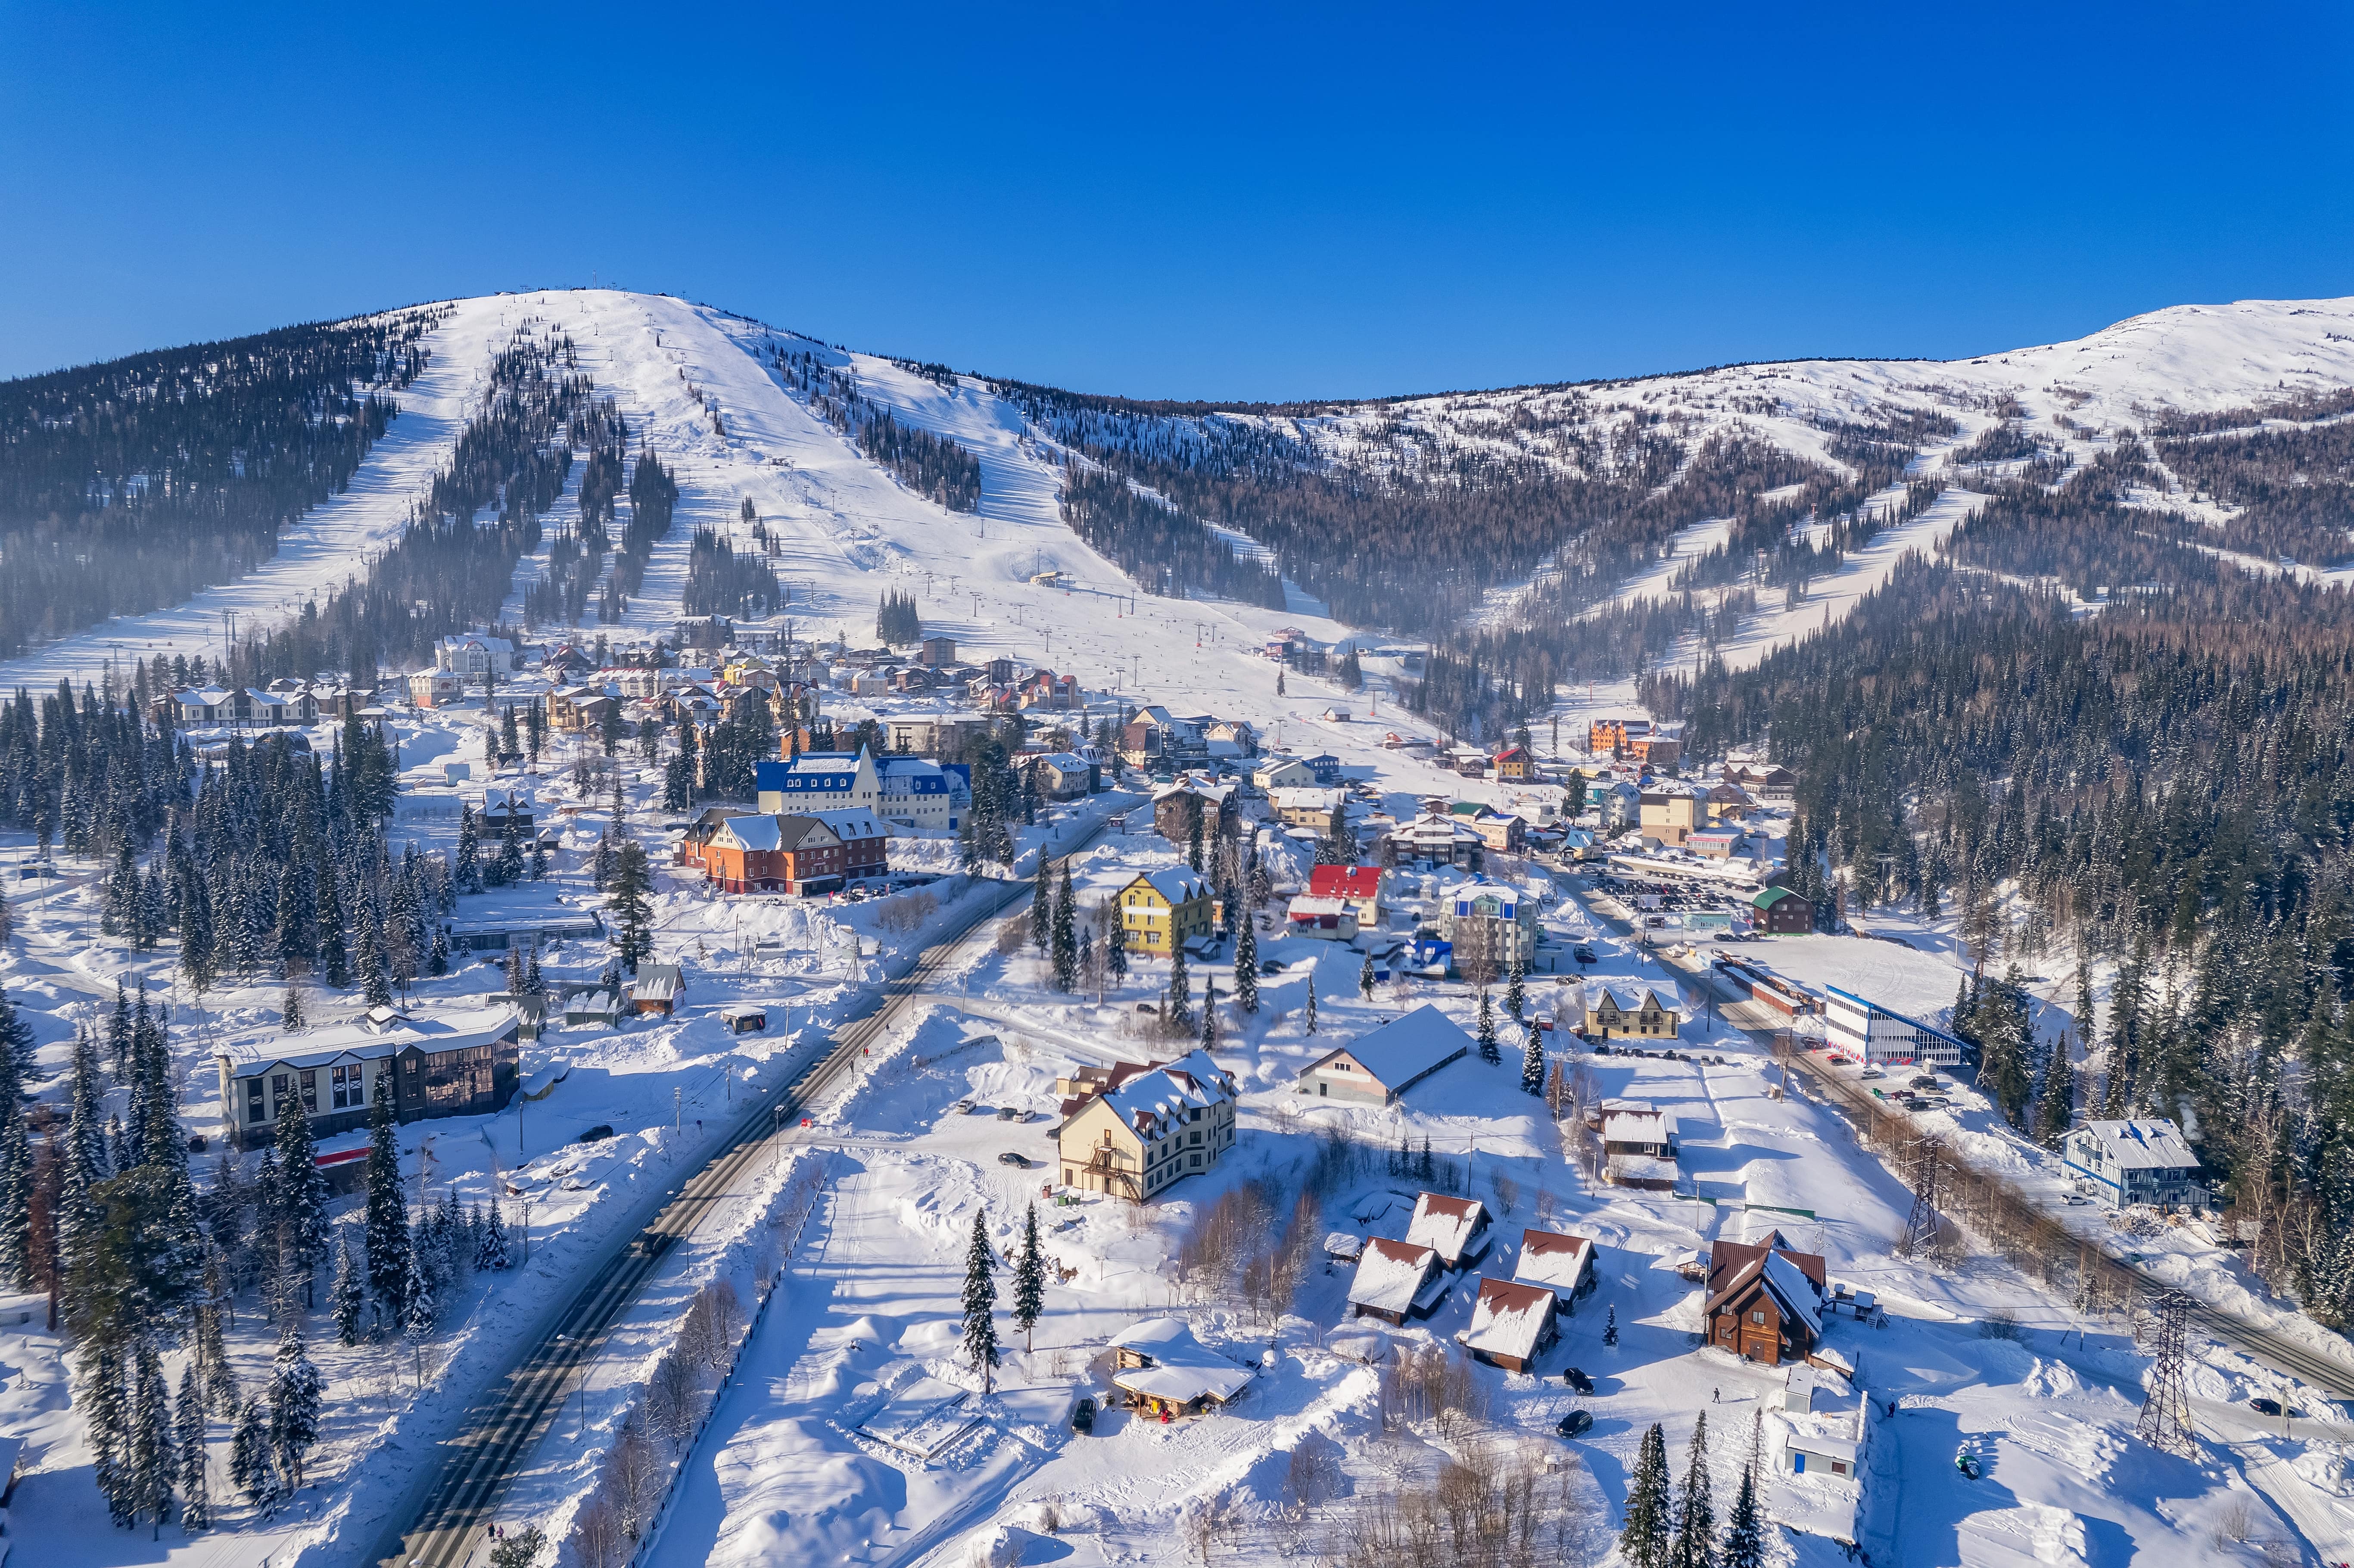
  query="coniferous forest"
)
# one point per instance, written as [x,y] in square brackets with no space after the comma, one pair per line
[135,483]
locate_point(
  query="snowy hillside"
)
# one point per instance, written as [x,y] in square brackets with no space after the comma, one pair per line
[849,530]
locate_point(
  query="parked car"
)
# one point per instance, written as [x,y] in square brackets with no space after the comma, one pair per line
[1011,1158]
[2263,1407]
[1576,1423]
[964,1107]
[1873,1073]
[1083,1416]
[1007,1113]
[602,1130]
[1583,953]
[1577,1378]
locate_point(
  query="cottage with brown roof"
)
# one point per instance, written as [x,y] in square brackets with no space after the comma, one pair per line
[1764,1300]
[1455,1228]
[1510,1324]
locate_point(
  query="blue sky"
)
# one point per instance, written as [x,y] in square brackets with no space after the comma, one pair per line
[1249,201]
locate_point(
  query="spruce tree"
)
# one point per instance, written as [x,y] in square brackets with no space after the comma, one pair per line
[469,869]
[1029,1279]
[296,1389]
[491,1245]
[1209,1013]
[196,1484]
[633,917]
[387,1207]
[436,962]
[1181,990]
[1042,907]
[1516,991]
[1366,979]
[1695,1542]
[1610,1327]
[1745,1534]
[106,1421]
[1064,943]
[1116,959]
[250,1469]
[346,1297]
[1644,1539]
[980,1303]
[301,1197]
[153,1454]
[1533,1063]
[375,984]
[18,1252]
[2055,1110]
[1307,1019]
[1489,1051]
[291,1016]
[1246,963]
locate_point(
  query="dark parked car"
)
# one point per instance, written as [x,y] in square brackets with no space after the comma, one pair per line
[1083,1418]
[1584,955]
[602,1130]
[1011,1158]
[1576,1423]
[2263,1407]
[1578,1380]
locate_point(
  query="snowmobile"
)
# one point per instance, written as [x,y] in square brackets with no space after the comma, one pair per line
[1966,1463]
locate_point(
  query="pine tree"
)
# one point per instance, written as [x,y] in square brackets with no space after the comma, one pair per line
[980,1303]
[1307,1019]
[1610,1327]
[1516,991]
[387,1207]
[417,1310]
[469,869]
[1181,990]
[1029,1279]
[1064,942]
[153,1456]
[633,917]
[251,1469]
[346,1297]
[1533,1063]
[296,1389]
[491,1245]
[106,1407]
[1246,963]
[2055,1110]
[1695,1542]
[1366,979]
[1744,1535]
[1209,1013]
[195,1483]
[301,1197]
[436,962]
[1116,957]
[1645,1537]
[291,1016]
[1489,1051]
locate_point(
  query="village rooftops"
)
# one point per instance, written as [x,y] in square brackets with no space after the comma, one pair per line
[1396,1278]
[1352,882]
[1178,1368]
[1177,885]
[1509,1321]
[1454,1228]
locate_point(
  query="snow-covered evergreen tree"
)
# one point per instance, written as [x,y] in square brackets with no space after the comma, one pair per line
[296,1389]
[468,871]
[1062,940]
[1029,1279]
[250,1469]
[1610,1327]
[195,1481]
[1695,1540]
[1647,1530]
[301,1197]
[980,1303]
[346,1297]
[1181,990]
[633,919]
[1516,990]
[386,1234]
[1533,1063]
[1307,1019]
[152,1457]
[291,1016]
[1366,979]
[1246,963]
[491,1247]
[106,1426]
[1489,1052]
[1745,1532]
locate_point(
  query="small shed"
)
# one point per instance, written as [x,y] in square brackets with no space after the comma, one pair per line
[743,1019]
[1809,1453]
[1797,1394]
[1345,1246]
[657,987]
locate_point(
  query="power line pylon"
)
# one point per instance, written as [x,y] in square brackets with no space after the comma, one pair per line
[1921,1225]
[2166,1411]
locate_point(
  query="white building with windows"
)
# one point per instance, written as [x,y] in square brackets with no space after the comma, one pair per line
[1874,1033]
[2144,1159]
[475,657]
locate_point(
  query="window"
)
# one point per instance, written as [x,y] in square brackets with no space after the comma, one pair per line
[310,1090]
[1758,1317]
[254,1108]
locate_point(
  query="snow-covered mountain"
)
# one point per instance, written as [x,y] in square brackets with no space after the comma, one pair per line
[715,395]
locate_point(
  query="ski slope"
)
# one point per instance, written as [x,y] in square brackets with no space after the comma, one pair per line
[849,530]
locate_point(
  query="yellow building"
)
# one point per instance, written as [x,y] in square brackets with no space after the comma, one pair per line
[1624,1015]
[1136,1129]
[1161,910]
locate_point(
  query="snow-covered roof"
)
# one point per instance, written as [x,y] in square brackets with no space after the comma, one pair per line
[1391,1275]
[1192,1082]
[1630,999]
[1553,1259]
[1448,1227]
[1508,1318]
[362,1040]
[1404,1049]
[758,833]
[2152,1143]
[1307,798]
[1794,1290]
[1344,1243]
[1182,1368]
[849,822]
[1633,1126]
[1308,907]
[1177,885]
[658,982]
